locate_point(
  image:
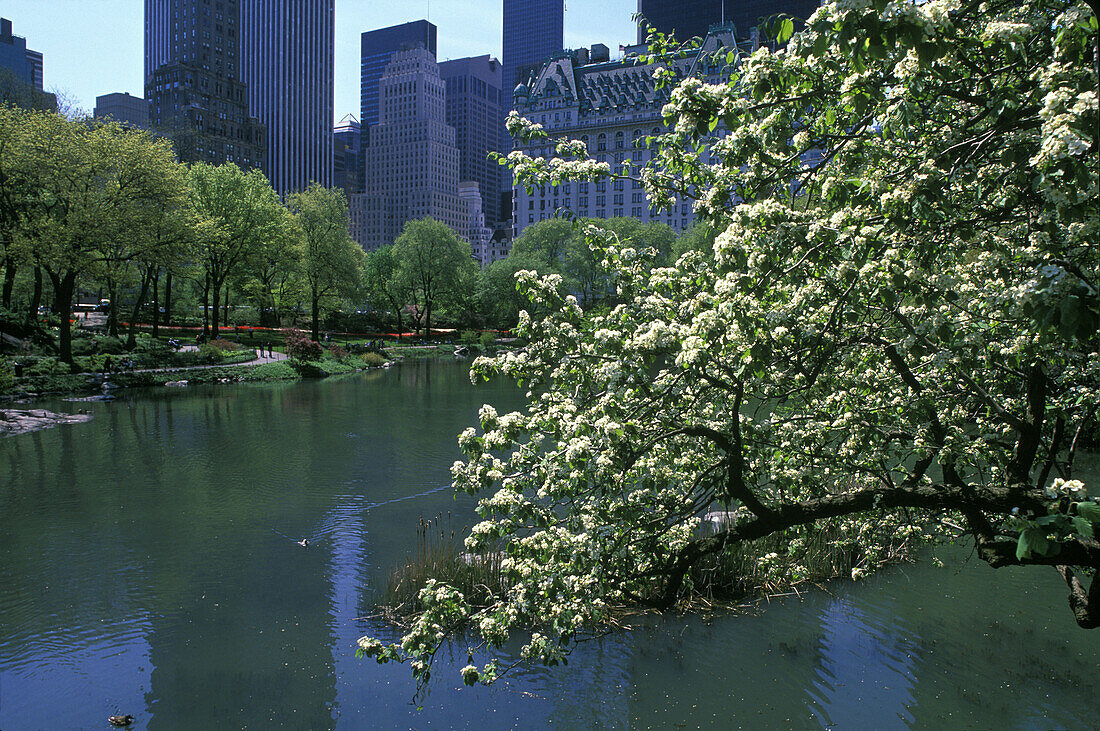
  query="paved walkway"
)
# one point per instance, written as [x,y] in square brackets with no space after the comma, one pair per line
[258,361]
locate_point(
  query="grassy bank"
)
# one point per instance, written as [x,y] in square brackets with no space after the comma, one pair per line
[87,383]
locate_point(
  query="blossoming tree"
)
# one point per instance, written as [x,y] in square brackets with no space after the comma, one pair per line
[897,326]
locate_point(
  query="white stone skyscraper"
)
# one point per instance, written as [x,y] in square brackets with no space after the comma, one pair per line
[412,161]
[287,63]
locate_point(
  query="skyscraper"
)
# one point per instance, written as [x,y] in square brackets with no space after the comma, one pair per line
[21,72]
[193,82]
[287,64]
[533,31]
[687,18]
[412,161]
[376,49]
[14,55]
[474,109]
[129,111]
[347,148]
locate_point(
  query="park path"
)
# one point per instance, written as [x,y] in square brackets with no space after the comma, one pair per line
[258,361]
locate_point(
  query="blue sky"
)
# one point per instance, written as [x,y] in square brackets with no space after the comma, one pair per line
[94,47]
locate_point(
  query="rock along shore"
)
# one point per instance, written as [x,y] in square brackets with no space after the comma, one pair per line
[19,421]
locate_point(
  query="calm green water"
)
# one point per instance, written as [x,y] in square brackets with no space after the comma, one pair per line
[148,566]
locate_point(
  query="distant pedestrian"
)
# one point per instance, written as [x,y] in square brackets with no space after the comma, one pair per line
[107,365]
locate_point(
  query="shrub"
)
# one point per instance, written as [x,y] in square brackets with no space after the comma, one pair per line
[225,345]
[338,353]
[301,348]
[373,359]
[209,353]
[83,346]
[44,366]
[487,339]
[110,346]
[468,337]
[7,376]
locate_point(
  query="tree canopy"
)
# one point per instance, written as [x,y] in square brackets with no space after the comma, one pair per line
[897,325]
[432,263]
[91,200]
[331,261]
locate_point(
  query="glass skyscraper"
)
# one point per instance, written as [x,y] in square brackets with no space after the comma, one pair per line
[474,109]
[287,57]
[533,31]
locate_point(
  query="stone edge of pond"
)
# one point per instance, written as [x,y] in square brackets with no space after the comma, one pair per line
[24,421]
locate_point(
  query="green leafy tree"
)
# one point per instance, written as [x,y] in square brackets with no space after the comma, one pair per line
[432,262]
[331,260]
[897,326]
[166,245]
[97,193]
[270,272]
[244,215]
[15,191]
[699,237]
[384,284]
[543,248]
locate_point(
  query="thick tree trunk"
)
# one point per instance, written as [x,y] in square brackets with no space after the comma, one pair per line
[63,287]
[36,296]
[428,320]
[316,307]
[131,337]
[9,282]
[225,319]
[215,290]
[112,311]
[156,304]
[168,299]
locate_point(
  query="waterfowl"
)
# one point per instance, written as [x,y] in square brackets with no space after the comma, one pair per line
[121,720]
[304,543]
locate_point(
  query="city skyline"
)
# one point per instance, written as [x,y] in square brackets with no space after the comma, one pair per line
[93,49]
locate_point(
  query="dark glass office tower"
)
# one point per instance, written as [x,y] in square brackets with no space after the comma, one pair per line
[345,156]
[474,110]
[687,18]
[533,31]
[21,72]
[376,49]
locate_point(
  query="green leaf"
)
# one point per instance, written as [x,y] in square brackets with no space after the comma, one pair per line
[1032,540]
[786,30]
[1090,511]
[1083,527]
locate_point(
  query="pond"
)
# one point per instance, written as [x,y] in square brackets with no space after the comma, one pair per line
[149,565]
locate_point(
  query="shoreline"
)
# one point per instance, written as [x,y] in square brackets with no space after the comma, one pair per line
[90,383]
